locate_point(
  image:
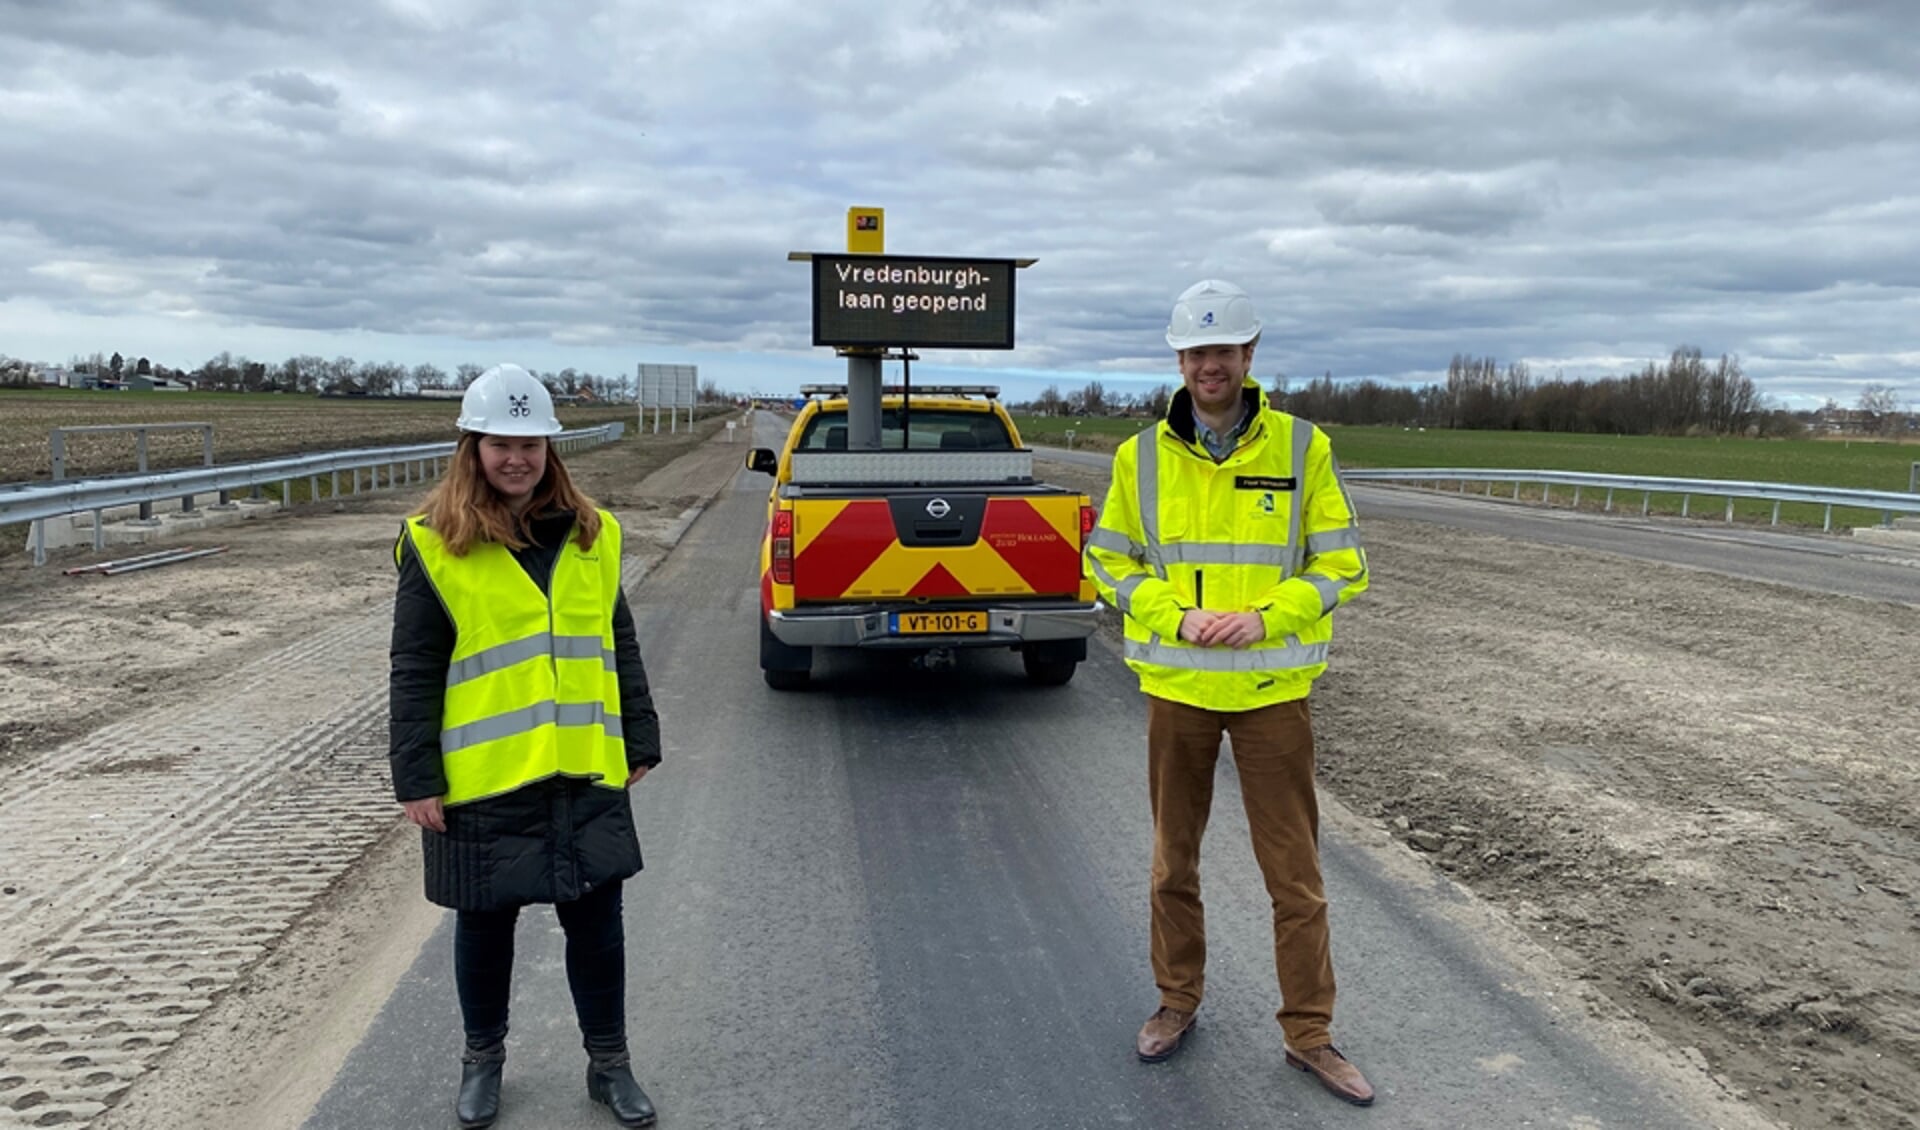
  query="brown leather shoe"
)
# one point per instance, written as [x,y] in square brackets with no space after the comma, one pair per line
[1162,1034]
[1334,1072]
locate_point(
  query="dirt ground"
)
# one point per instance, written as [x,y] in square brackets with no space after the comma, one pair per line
[84,652]
[1699,792]
[61,674]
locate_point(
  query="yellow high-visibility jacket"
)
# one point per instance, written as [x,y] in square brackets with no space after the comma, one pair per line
[531,689]
[1269,530]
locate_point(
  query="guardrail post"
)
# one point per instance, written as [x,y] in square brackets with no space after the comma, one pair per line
[1546,495]
[1646,502]
[313,488]
[1686,500]
[99,533]
[1776,514]
[1609,500]
[333,490]
[1826,524]
[1576,497]
[140,448]
[1729,509]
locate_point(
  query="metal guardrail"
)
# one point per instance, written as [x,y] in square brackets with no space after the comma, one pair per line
[57,440]
[1887,502]
[37,502]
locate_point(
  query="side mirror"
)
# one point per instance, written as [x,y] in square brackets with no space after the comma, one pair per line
[763,460]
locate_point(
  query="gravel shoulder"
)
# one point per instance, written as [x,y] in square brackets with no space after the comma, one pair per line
[1697,792]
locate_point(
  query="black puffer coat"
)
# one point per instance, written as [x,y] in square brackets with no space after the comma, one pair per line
[551,841]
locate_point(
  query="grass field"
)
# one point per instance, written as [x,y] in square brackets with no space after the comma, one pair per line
[1861,464]
[246,427]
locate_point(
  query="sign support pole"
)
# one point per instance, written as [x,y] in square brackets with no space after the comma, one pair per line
[863,401]
[866,235]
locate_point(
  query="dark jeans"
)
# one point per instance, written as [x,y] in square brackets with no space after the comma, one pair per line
[596,969]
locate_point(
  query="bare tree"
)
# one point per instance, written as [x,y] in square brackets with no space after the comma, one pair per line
[1882,406]
[1089,401]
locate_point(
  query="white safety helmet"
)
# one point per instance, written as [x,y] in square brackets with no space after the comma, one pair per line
[506,400]
[1211,312]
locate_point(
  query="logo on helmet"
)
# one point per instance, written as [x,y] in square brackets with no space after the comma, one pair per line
[1208,319]
[517,405]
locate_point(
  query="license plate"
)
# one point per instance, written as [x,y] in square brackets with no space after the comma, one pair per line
[938,623]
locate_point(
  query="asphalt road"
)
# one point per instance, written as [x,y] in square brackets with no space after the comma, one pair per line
[917,899]
[1805,560]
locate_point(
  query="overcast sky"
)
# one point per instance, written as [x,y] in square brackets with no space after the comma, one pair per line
[593,184]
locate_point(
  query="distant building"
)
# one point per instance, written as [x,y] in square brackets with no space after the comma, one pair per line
[1846,421]
[158,384]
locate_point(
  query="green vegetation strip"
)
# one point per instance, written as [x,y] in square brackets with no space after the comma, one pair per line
[1854,463]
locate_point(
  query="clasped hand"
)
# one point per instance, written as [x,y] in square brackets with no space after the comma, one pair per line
[1222,629]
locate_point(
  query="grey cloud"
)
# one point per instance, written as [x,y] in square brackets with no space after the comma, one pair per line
[1450,205]
[296,89]
[1393,183]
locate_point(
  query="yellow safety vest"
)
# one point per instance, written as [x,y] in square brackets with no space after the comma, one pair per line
[1269,530]
[532,690]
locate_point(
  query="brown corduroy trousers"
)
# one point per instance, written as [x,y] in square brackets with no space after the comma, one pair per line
[1273,751]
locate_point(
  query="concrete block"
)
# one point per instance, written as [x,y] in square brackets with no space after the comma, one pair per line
[1894,536]
[128,528]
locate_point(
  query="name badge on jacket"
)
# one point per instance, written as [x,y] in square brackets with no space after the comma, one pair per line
[1263,482]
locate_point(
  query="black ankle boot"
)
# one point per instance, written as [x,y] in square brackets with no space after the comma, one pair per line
[610,1081]
[479,1102]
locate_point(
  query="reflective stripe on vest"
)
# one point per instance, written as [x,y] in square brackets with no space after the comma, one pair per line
[532,690]
[1292,654]
[519,651]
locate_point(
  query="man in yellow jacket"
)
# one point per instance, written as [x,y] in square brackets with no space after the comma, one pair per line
[1228,540]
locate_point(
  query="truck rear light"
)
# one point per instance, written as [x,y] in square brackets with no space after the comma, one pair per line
[1086,523]
[783,547]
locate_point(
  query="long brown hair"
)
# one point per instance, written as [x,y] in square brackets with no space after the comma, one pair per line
[464,508]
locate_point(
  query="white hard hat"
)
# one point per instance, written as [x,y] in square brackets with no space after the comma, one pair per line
[506,400]
[1211,312]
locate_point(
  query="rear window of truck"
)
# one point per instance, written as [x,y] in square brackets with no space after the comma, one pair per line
[929,429]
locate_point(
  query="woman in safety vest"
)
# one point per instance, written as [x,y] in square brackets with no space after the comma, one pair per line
[520,717]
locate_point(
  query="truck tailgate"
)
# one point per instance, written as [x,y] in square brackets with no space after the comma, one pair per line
[936,545]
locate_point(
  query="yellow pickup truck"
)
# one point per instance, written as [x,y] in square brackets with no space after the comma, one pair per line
[939,539]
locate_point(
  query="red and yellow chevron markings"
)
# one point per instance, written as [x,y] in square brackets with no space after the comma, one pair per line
[847,550]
